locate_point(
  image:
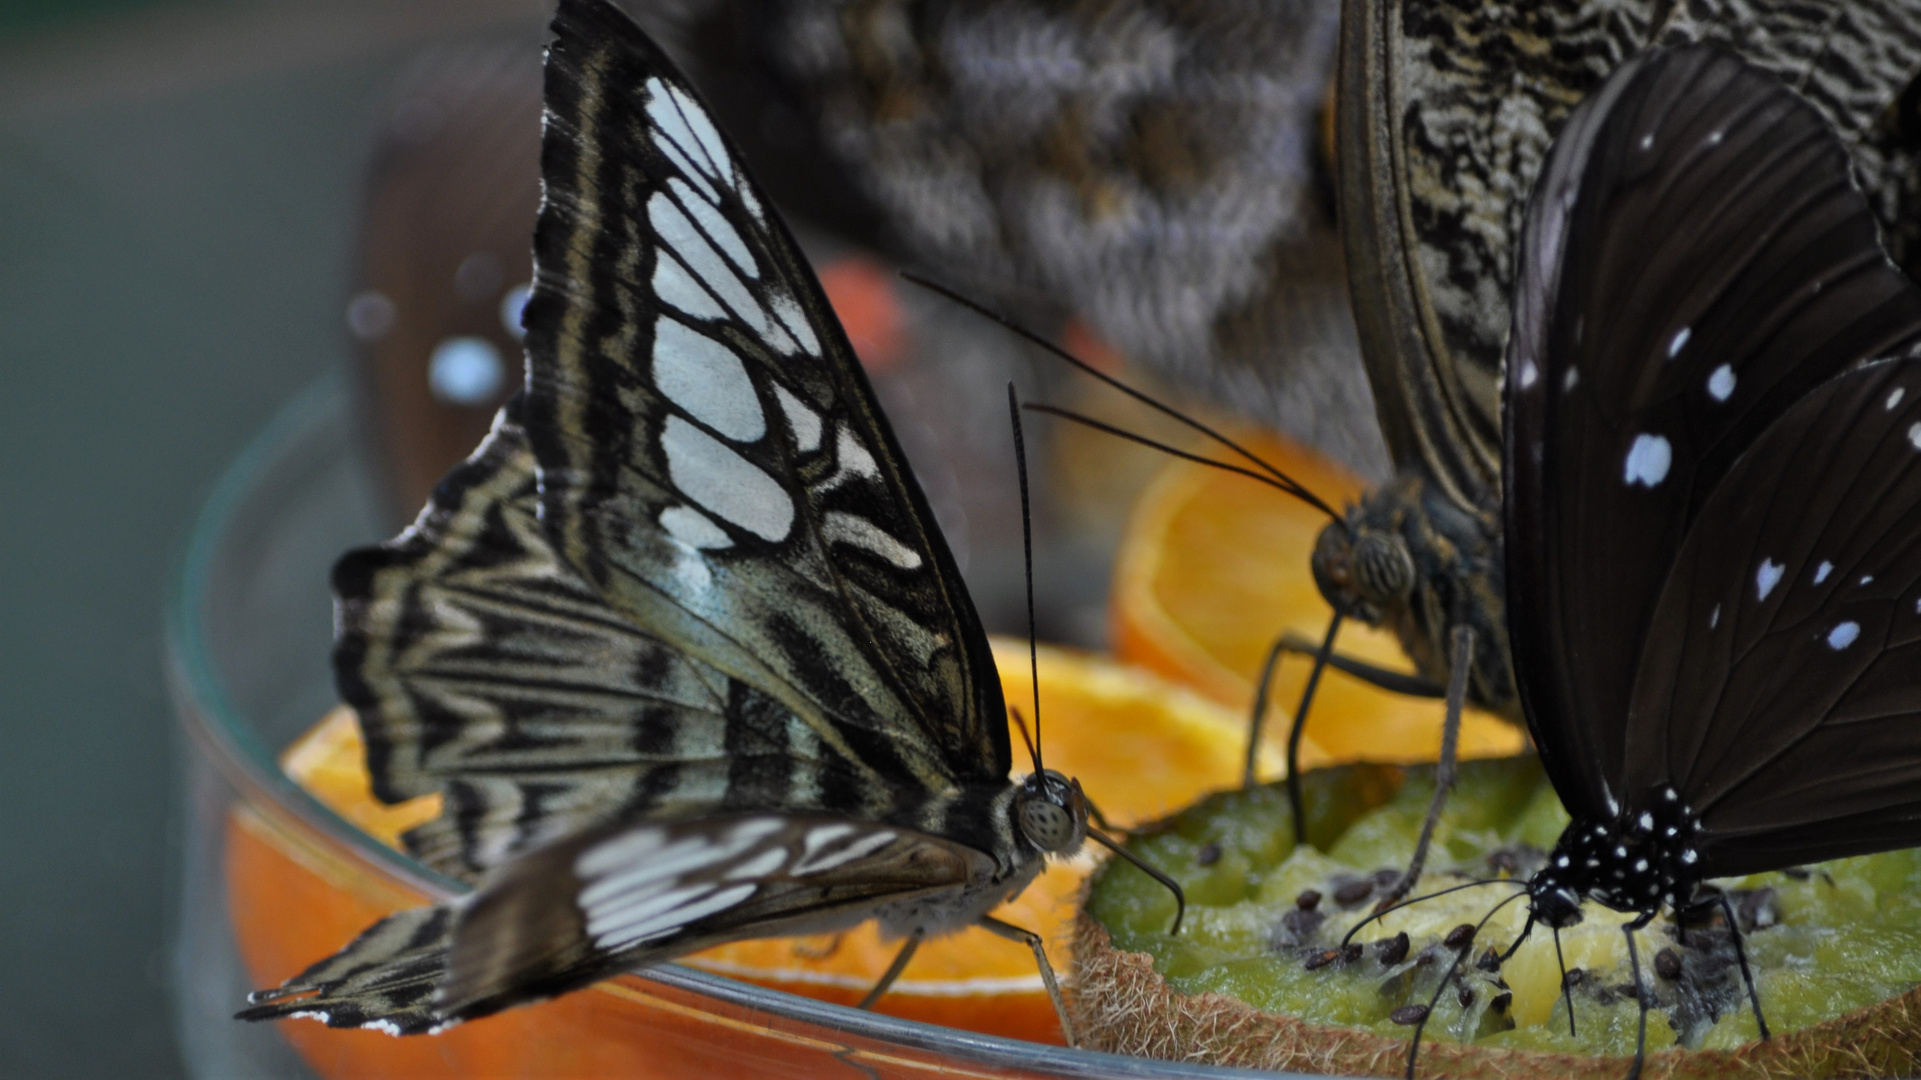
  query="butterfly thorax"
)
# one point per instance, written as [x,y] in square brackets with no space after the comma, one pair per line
[1409,558]
[1641,860]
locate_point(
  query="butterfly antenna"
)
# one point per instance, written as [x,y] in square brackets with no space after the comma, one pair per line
[1294,797]
[1145,399]
[1414,1047]
[1411,901]
[1145,867]
[1020,724]
[1173,451]
[1027,551]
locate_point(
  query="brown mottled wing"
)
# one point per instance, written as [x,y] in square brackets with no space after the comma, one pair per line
[612,899]
[1447,109]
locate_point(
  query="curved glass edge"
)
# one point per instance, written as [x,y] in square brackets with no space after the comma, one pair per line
[215,725]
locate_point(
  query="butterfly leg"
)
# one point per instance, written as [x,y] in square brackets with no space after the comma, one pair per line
[1641,994]
[893,971]
[1462,646]
[1033,941]
[1295,801]
[1741,954]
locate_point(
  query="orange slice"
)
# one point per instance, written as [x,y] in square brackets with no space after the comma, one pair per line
[1212,568]
[1141,746]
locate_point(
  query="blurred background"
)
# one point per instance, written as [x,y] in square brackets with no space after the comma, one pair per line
[208,205]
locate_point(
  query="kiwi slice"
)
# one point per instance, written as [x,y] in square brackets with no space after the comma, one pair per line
[1259,975]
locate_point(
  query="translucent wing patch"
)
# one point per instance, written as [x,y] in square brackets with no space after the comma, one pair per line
[711,457]
[483,668]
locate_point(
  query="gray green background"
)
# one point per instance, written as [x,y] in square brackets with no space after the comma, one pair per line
[176,185]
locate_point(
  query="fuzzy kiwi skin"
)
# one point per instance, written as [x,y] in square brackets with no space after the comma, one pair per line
[1123,1004]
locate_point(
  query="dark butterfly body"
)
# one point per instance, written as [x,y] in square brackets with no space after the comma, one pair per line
[1713,495]
[679,644]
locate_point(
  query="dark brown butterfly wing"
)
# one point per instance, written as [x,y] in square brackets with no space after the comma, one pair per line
[1780,689]
[1696,260]
[1447,109]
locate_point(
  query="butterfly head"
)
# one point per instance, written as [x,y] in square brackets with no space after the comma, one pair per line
[1362,570]
[1052,812]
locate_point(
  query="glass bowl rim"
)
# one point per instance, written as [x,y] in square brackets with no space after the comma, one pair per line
[219,728]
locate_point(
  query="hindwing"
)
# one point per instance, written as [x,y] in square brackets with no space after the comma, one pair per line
[711,457]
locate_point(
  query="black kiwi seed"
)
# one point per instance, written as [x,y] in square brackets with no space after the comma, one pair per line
[1572,978]
[1489,961]
[1299,925]
[1208,855]
[1465,995]
[1501,1001]
[1391,951]
[1350,953]
[1353,892]
[1308,900]
[1385,877]
[1503,862]
[1408,1014]
[1797,873]
[1459,936]
[1667,964]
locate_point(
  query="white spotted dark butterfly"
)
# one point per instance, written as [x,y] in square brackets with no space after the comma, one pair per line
[679,645]
[1712,430]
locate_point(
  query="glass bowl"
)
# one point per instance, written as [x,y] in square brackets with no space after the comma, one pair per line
[264,871]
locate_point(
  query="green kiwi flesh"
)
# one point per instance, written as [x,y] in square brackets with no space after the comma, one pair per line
[1824,942]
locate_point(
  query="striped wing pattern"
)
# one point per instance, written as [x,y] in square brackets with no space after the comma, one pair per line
[678,644]
[608,899]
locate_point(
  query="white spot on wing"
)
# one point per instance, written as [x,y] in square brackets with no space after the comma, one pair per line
[676,288]
[716,226]
[705,131]
[1895,396]
[1569,380]
[674,115]
[705,378]
[1914,435]
[1648,460]
[1679,341]
[627,926]
[1767,577]
[692,248]
[384,1026]
[1821,572]
[693,528]
[759,866]
[841,527]
[1714,617]
[1867,579]
[1843,635]
[1529,374]
[1647,141]
[804,421]
[707,471]
[1721,383]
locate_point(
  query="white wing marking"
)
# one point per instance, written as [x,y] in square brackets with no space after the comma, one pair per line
[694,529]
[676,287]
[790,313]
[706,132]
[842,527]
[705,378]
[674,121]
[804,421]
[827,860]
[713,475]
[716,226]
[622,927]
[759,866]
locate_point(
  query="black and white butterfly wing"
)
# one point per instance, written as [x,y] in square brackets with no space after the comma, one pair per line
[711,456]
[1780,686]
[613,898]
[1696,260]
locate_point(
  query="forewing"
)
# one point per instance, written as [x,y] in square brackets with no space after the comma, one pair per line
[616,898]
[484,669]
[711,456]
[1447,110]
[1781,687]
[1696,259]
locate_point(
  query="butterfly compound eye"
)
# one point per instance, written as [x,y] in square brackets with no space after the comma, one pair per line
[1382,566]
[1052,817]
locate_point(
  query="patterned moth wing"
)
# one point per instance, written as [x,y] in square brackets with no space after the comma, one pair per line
[677,644]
